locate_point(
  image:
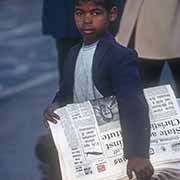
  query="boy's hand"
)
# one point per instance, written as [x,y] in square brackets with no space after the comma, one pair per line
[142,168]
[49,114]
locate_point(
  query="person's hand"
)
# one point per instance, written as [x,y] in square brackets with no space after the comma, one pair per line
[142,168]
[49,115]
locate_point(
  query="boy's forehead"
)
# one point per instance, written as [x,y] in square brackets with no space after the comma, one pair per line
[88,5]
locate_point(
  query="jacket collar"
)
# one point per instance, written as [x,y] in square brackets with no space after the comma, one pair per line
[104,43]
[102,47]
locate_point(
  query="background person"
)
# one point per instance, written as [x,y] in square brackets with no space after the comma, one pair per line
[58,22]
[152,27]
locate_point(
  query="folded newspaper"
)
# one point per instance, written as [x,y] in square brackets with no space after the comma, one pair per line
[89,141]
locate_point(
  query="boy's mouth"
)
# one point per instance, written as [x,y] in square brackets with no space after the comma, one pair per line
[88,31]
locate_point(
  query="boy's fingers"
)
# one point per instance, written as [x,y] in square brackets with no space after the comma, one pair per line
[55,115]
[149,171]
[49,114]
[46,124]
[49,117]
[139,176]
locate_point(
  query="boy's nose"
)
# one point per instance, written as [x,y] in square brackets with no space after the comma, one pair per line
[87,18]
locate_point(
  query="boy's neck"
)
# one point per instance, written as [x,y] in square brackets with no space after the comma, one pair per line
[90,44]
[92,41]
[87,43]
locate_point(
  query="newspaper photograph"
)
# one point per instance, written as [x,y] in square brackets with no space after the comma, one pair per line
[89,141]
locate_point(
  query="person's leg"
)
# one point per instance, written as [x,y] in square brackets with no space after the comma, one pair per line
[46,153]
[63,46]
[150,71]
[174,65]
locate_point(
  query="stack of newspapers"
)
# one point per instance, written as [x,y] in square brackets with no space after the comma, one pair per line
[89,141]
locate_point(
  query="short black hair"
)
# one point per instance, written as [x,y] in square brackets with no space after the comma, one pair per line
[107,4]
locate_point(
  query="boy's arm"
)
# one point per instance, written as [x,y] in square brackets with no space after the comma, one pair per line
[60,100]
[134,115]
[63,96]
[133,108]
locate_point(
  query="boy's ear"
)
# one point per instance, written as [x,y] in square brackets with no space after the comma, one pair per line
[113,14]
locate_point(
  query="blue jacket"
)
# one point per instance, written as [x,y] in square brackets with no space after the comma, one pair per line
[58,19]
[115,72]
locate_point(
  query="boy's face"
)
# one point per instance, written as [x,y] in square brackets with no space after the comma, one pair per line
[92,20]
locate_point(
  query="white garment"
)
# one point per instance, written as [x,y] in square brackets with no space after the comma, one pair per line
[157,24]
[84,88]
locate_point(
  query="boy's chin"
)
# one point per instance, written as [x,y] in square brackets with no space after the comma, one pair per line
[90,39]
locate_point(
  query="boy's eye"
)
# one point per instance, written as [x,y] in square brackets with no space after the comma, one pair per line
[78,13]
[96,13]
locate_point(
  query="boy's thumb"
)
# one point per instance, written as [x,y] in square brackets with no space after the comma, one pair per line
[129,173]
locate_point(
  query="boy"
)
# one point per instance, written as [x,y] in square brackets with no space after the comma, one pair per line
[101,67]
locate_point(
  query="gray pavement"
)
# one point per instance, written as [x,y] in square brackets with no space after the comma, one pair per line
[28,81]
[21,126]
[26,55]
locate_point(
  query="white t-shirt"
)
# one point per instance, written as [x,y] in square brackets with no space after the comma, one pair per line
[84,88]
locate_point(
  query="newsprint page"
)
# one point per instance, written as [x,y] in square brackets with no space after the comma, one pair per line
[89,142]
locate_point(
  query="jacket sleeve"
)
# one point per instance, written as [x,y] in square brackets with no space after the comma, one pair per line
[65,94]
[133,108]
